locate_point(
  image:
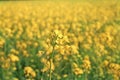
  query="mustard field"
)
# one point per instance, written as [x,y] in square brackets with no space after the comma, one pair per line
[60,40]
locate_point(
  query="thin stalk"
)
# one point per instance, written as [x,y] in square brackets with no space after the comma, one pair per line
[51,58]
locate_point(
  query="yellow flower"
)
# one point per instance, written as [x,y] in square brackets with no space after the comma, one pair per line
[13,58]
[105,63]
[2,42]
[58,34]
[65,75]
[6,64]
[86,63]
[78,71]
[25,53]
[36,44]
[40,53]
[75,65]
[29,72]
[48,65]
[14,51]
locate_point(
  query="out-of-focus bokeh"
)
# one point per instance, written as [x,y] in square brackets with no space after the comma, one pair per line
[60,40]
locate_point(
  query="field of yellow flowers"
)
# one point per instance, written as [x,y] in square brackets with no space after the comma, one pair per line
[59,40]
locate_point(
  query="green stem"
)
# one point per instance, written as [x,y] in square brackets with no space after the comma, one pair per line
[50,70]
[86,76]
[50,74]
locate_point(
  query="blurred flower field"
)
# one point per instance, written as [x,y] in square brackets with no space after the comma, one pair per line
[62,40]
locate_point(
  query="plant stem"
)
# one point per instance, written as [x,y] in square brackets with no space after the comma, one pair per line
[50,74]
[50,70]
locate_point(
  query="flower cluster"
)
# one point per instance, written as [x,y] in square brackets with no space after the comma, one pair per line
[60,40]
